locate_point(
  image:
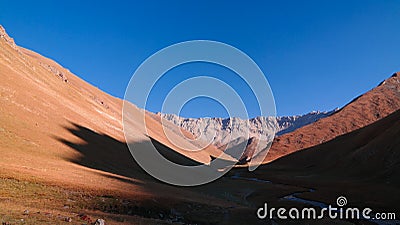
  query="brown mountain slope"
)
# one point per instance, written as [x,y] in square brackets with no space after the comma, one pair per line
[61,143]
[365,109]
[363,165]
[39,98]
[63,154]
[369,153]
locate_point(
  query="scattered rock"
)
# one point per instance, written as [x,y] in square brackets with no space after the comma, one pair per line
[68,219]
[85,217]
[100,222]
[26,212]
[100,102]
[55,71]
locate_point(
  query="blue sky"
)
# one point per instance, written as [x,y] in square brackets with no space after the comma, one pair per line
[317,55]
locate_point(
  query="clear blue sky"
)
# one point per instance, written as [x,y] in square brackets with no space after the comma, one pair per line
[317,55]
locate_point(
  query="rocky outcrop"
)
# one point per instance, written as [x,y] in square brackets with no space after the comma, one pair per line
[220,130]
[9,40]
[290,123]
[255,134]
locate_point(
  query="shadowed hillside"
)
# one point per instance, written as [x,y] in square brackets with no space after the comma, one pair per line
[62,139]
[64,156]
[363,110]
[363,165]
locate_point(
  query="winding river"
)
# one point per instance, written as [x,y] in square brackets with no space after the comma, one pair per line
[295,198]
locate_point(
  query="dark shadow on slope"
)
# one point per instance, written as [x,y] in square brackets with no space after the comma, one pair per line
[236,148]
[363,165]
[105,153]
[101,152]
[371,152]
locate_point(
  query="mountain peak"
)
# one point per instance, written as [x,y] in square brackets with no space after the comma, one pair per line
[2,30]
[365,109]
[394,79]
[6,37]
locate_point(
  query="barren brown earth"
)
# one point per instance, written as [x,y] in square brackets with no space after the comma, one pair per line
[363,165]
[363,110]
[60,134]
[64,159]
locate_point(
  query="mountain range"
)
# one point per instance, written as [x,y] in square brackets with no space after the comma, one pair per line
[223,132]
[64,156]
